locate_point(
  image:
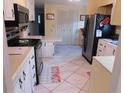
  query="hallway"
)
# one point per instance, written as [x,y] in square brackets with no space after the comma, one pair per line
[74,72]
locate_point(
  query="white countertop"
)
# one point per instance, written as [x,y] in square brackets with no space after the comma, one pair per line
[18,59]
[44,38]
[106,61]
[110,41]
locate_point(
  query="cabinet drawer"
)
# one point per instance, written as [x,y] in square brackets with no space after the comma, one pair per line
[99,52]
[101,44]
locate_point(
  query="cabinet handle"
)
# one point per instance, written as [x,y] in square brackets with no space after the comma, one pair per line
[100,50]
[13,13]
[29,62]
[101,44]
[34,76]
[20,81]
[33,67]
[20,85]
[24,73]
[32,57]
[113,51]
[45,44]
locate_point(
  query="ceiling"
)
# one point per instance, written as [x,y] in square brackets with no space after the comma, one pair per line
[39,3]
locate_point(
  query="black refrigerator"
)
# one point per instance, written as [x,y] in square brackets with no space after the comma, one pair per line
[96,26]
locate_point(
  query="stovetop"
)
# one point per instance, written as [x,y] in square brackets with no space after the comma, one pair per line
[23,42]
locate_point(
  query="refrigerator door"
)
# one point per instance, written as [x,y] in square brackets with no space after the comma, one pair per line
[90,36]
[103,27]
[85,33]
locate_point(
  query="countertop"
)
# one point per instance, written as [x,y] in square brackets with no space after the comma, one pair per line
[114,42]
[18,59]
[44,38]
[106,61]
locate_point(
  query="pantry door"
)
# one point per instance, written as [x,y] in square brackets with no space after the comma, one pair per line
[67,25]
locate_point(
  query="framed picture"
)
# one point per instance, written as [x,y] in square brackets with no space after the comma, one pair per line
[82,17]
[50,16]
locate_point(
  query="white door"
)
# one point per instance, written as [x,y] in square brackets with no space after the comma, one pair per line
[67,25]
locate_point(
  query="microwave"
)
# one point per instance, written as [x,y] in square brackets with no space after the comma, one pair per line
[21,17]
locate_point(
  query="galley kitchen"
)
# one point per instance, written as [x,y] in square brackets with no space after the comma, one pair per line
[62,46]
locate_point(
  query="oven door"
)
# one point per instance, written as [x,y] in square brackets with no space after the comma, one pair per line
[39,58]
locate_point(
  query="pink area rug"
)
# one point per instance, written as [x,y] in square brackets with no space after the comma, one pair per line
[50,75]
[55,74]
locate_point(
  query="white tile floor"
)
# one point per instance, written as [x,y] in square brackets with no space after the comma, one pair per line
[73,71]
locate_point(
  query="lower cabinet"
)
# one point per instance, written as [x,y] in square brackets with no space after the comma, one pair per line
[105,48]
[100,79]
[47,49]
[26,79]
[33,72]
[19,85]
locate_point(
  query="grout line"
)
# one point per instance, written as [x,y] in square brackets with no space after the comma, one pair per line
[73,85]
[85,85]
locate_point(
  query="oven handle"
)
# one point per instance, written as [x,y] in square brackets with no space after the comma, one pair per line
[39,45]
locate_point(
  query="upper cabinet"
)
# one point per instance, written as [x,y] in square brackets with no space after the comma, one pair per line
[109,7]
[104,2]
[92,7]
[116,13]
[8,10]
[31,6]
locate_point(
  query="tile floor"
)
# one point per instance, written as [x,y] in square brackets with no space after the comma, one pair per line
[73,71]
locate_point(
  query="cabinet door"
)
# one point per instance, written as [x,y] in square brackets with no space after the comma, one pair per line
[109,50]
[27,78]
[30,5]
[104,2]
[8,10]
[100,79]
[32,71]
[116,13]
[19,85]
[48,49]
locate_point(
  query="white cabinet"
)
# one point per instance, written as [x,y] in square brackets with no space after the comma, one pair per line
[47,49]
[23,83]
[32,71]
[19,85]
[100,78]
[105,48]
[31,6]
[8,10]
[26,79]
[116,13]
[110,50]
